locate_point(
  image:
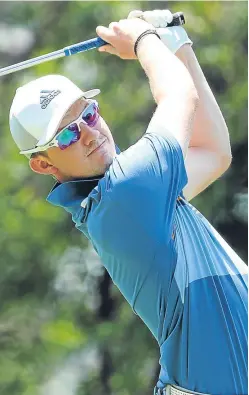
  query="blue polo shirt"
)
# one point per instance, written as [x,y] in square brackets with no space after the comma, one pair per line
[177,273]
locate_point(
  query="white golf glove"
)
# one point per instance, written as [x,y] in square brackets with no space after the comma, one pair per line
[173,37]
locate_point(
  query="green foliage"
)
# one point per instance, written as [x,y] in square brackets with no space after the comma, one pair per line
[51,322]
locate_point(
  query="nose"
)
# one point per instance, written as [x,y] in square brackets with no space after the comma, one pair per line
[88,135]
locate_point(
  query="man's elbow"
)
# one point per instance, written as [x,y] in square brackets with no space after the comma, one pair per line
[225,154]
[225,162]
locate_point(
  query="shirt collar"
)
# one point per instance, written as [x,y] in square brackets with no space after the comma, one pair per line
[73,192]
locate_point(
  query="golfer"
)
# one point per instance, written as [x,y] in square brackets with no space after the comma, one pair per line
[177,273]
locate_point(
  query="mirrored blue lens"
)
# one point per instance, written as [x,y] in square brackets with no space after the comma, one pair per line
[69,136]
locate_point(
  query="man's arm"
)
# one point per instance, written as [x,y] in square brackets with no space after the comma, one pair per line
[209,153]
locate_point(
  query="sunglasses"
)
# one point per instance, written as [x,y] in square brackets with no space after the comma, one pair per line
[70,134]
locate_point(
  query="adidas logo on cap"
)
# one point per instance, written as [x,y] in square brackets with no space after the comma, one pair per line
[46,97]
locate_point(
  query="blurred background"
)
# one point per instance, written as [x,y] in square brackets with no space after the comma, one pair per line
[64,328]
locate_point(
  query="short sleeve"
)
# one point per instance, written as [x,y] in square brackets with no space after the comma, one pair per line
[146,180]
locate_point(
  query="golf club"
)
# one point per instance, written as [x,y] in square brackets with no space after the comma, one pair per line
[178,19]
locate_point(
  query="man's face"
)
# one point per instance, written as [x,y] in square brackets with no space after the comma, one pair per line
[90,156]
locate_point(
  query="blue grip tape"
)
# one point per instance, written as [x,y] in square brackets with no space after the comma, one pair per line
[84,46]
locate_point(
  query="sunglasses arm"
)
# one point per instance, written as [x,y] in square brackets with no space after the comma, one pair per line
[40,149]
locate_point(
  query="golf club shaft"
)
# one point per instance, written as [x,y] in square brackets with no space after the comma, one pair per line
[178,19]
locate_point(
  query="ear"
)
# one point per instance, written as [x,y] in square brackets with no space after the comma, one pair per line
[40,164]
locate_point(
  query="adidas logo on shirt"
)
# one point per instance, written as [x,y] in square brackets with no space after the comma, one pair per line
[46,97]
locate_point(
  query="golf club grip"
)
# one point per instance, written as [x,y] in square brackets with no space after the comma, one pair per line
[178,20]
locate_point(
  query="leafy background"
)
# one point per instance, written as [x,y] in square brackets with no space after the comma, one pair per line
[64,328]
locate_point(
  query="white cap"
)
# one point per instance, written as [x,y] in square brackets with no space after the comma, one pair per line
[38,108]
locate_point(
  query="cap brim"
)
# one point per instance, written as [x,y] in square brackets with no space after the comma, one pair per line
[91,93]
[56,120]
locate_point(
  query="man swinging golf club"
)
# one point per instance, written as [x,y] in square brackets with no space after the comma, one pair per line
[174,269]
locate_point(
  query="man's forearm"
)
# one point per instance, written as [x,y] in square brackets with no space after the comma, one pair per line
[209,129]
[172,88]
[153,57]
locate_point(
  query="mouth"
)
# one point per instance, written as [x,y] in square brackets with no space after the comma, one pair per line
[97,148]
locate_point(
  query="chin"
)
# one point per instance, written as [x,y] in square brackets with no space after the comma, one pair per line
[104,167]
